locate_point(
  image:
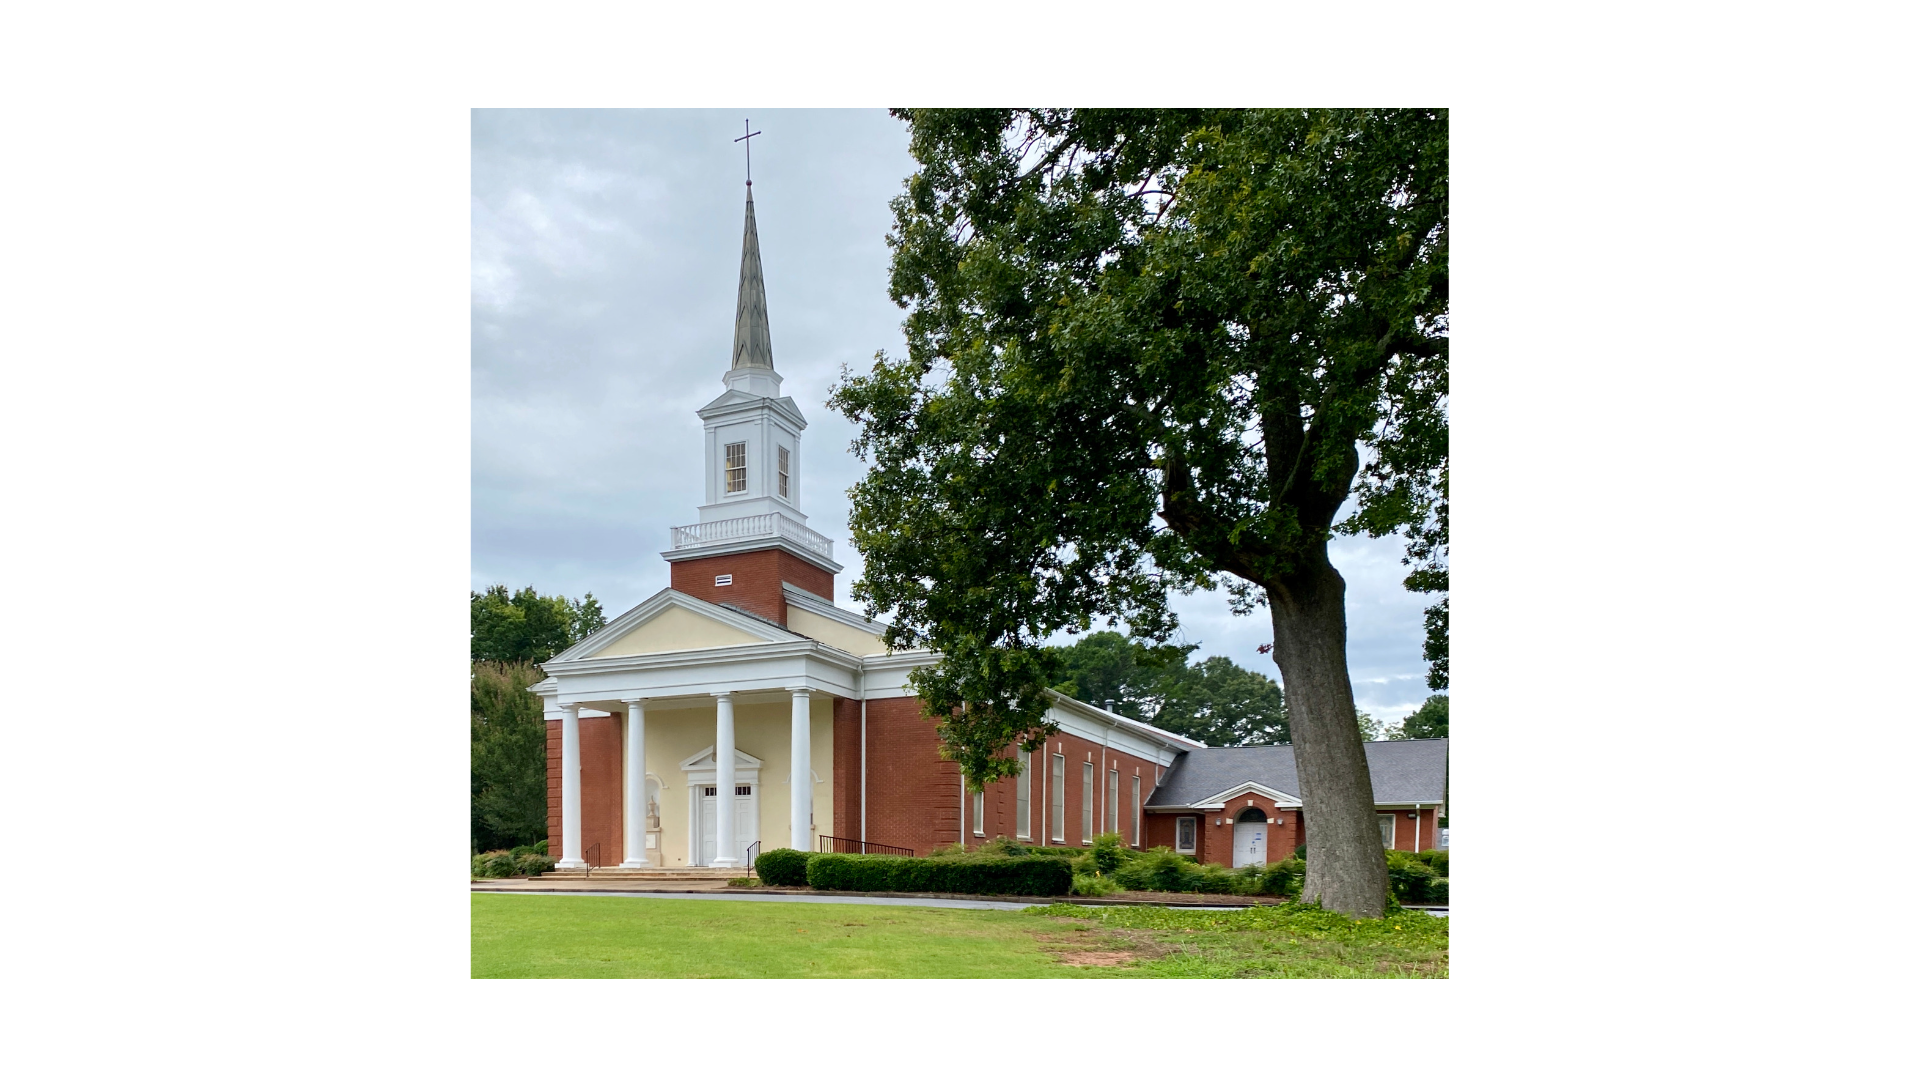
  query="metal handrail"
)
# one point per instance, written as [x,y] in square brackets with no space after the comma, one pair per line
[753,852]
[841,845]
[595,849]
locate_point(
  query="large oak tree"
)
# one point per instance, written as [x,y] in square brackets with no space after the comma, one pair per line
[1154,350]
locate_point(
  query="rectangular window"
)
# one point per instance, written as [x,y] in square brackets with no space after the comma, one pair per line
[1183,834]
[1059,800]
[736,467]
[1023,801]
[1086,803]
[979,811]
[1136,810]
[783,473]
[1113,800]
[1386,831]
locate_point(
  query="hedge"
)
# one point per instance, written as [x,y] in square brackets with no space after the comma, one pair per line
[1028,875]
[783,867]
[494,864]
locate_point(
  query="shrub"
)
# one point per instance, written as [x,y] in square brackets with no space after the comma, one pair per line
[1092,885]
[493,864]
[541,847]
[1158,870]
[784,867]
[1003,845]
[1109,851]
[1435,858]
[1437,891]
[1025,876]
[1284,878]
[948,852]
[1408,879]
[741,882]
[1300,853]
[533,863]
[1212,878]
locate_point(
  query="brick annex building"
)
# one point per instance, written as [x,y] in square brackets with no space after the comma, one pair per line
[739,709]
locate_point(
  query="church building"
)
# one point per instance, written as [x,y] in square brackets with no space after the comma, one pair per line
[740,709]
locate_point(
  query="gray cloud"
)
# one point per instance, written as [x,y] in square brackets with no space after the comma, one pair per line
[606,248]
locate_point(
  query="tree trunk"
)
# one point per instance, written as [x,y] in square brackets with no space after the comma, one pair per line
[1346,870]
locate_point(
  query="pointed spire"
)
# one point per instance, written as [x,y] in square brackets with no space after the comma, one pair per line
[752,342]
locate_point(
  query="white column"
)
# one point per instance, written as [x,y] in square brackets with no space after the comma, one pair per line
[635,830]
[570,787]
[802,778]
[723,780]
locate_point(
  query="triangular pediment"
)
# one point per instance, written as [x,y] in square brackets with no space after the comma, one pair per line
[704,760]
[670,621]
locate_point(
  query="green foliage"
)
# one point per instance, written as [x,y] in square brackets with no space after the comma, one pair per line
[1105,666]
[1146,349]
[498,864]
[1429,721]
[527,628]
[1369,727]
[1158,870]
[1409,879]
[508,756]
[783,867]
[1094,885]
[1284,878]
[1437,858]
[1026,876]
[1005,845]
[1221,703]
[741,883]
[1437,891]
[541,847]
[1109,851]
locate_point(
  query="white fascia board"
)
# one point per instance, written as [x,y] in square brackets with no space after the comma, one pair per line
[1141,740]
[886,676]
[823,607]
[739,403]
[739,668]
[806,555]
[1219,801]
[654,605]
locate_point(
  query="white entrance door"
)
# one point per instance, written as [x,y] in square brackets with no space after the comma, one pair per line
[1250,839]
[746,823]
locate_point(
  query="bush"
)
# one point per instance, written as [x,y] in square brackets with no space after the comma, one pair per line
[784,867]
[1437,891]
[533,863]
[1408,879]
[1158,870]
[1212,878]
[541,847]
[493,864]
[1004,845]
[1435,858]
[1025,876]
[1109,851]
[1092,885]
[1284,878]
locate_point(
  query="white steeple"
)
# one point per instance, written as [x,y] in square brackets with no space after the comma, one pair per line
[753,464]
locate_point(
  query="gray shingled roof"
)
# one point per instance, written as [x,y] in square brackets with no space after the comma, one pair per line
[1406,771]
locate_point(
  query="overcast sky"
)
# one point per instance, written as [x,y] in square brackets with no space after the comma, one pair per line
[606,261]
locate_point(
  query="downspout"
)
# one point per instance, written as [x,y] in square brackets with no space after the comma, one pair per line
[863,757]
[1416,827]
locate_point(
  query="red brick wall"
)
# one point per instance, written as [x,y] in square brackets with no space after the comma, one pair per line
[913,797]
[1003,796]
[1216,840]
[600,789]
[846,767]
[1403,837]
[757,576]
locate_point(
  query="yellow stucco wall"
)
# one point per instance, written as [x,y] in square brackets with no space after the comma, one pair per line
[837,634]
[763,730]
[675,629]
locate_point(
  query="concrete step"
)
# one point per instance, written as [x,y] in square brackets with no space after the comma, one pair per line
[610,873]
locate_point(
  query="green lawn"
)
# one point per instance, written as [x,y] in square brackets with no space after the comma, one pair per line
[609,937]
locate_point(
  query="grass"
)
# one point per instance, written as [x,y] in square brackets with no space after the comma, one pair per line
[610,937]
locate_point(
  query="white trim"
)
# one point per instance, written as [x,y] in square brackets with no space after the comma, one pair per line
[654,605]
[1193,847]
[758,543]
[823,607]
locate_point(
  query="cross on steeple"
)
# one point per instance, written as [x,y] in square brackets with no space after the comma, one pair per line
[748,139]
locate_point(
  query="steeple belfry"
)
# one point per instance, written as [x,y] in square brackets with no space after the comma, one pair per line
[752,342]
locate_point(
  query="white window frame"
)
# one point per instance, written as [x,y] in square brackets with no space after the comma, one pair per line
[1058,827]
[785,462]
[979,812]
[1086,802]
[1393,822]
[1136,809]
[1191,826]
[729,468]
[1023,800]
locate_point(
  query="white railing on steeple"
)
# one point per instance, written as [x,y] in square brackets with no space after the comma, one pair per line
[757,527]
